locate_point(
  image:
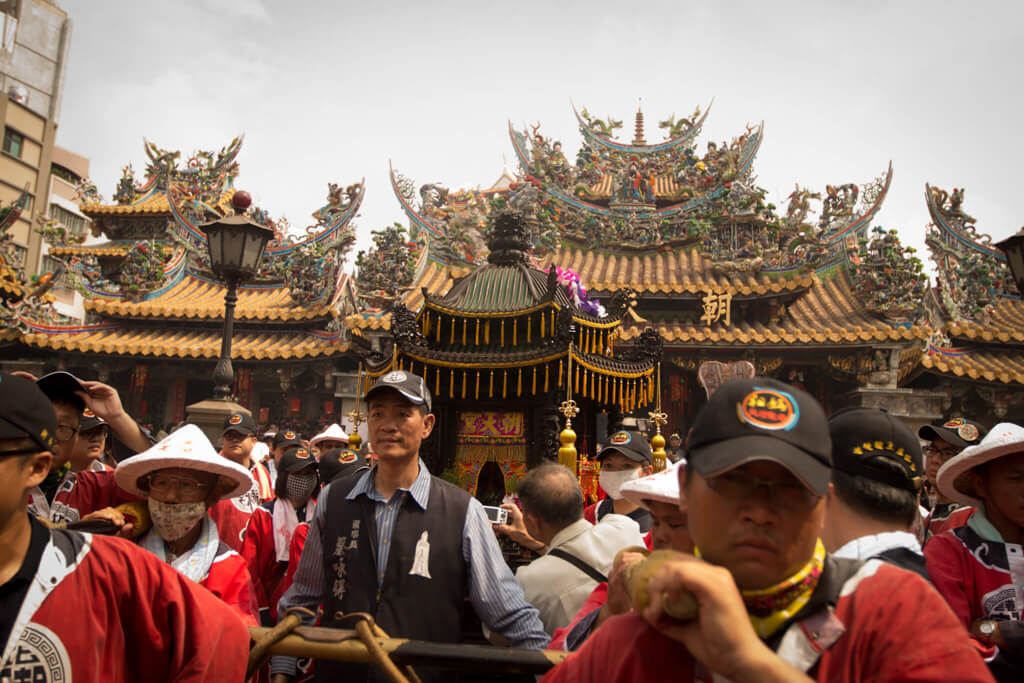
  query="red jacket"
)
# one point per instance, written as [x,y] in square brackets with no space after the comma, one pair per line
[943,519]
[261,476]
[88,491]
[102,609]
[230,581]
[874,621]
[232,517]
[979,579]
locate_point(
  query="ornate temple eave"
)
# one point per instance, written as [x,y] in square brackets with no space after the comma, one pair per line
[941,222]
[187,344]
[977,365]
[862,221]
[1004,324]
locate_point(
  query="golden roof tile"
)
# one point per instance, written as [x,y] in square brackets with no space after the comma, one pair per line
[1005,324]
[1006,367]
[190,343]
[195,298]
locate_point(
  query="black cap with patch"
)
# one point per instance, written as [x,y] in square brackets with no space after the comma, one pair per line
[240,422]
[754,419]
[62,386]
[26,412]
[90,420]
[411,386]
[957,431]
[339,462]
[295,459]
[629,443]
[866,440]
[286,438]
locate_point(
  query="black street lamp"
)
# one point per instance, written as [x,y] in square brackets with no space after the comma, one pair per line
[236,244]
[1013,247]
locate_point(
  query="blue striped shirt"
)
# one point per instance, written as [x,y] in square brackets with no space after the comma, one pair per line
[493,591]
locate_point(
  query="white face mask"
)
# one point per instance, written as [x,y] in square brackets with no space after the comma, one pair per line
[174,520]
[612,482]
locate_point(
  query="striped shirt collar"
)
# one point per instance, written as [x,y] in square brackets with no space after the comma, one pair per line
[420,489]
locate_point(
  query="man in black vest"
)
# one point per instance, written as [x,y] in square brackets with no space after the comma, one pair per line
[404,546]
[877,474]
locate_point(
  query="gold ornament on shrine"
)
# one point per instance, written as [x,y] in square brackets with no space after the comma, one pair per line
[659,419]
[356,415]
[567,452]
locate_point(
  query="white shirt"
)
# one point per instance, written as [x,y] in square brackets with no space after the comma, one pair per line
[557,588]
[868,546]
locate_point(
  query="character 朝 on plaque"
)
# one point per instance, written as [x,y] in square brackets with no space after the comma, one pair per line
[717,306]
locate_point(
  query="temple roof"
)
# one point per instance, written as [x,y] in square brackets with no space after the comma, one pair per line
[828,314]
[194,297]
[1003,323]
[189,343]
[1006,367]
[665,271]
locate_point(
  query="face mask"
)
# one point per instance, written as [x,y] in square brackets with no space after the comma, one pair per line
[174,520]
[300,486]
[612,482]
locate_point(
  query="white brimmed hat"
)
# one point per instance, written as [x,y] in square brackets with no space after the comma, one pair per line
[187,448]
[1003,439]
[332,433]
[661,486]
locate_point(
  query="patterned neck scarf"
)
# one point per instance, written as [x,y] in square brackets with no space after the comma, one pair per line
[769,608]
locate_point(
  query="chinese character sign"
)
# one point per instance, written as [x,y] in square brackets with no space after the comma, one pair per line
[717,307]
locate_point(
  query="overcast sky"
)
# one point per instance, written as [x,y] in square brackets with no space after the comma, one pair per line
[330,91]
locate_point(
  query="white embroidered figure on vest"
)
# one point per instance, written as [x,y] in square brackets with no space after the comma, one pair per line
[421,561]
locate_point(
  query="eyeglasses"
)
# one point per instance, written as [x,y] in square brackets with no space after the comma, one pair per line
[65,433]
[787,494]
[235,436]
[187,489]
[943,453]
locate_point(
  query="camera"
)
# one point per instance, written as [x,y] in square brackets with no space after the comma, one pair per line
[496,515]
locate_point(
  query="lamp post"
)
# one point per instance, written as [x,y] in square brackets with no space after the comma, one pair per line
[236,244]
[1013,247]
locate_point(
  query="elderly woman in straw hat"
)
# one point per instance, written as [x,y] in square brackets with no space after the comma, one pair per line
[181,477]
[979,567]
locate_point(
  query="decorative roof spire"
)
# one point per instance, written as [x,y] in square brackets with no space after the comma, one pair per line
[509,239]
[639,140]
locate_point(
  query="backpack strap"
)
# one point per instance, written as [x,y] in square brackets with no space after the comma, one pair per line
[579,564]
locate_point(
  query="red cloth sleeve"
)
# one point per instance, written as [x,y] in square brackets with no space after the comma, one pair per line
[596,600]
[91,491]
[949,566]
[229,580]
[174,630]
[258,552]
[590,513]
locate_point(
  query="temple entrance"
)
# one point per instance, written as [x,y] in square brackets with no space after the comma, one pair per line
[490,453]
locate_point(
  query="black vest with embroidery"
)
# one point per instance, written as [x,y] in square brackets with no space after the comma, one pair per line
[407,605]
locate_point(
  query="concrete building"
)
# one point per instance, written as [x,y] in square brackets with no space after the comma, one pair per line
[34,40]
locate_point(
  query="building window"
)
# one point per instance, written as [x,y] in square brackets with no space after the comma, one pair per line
[20,254]
[13,142]
[11,10]
[72,221]
[65,174]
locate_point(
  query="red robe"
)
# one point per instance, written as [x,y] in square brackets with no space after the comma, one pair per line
[979,579]
[880,611]
[232,517]
[102,609]
[230,581]
[88,491]
[259,551]
[947,520]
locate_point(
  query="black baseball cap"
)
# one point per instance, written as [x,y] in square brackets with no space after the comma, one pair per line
[26,412]
[286,438]
[62,386]
[863,437]
[339,462]
[411,386]
[295,459]
[958,431]
[240,422]
[89,420]
[629,443]
[753,419]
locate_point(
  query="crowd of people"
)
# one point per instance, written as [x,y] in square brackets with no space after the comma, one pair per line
[809,547]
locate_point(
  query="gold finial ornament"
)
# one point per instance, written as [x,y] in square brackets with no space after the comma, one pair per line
[567,453]
[357,416]
[659,419]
